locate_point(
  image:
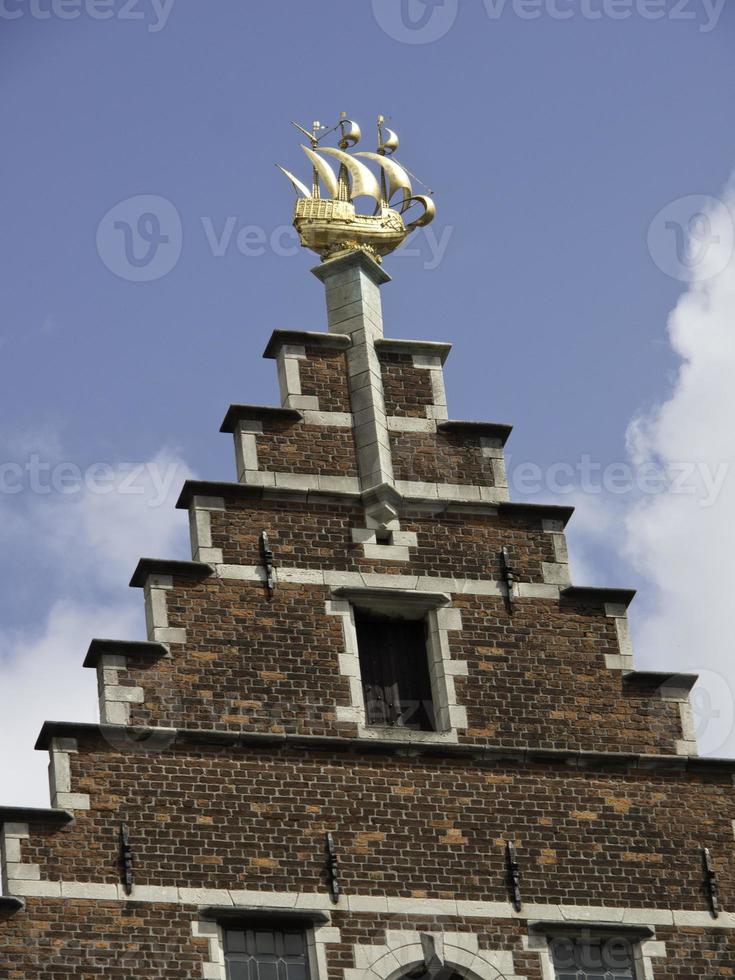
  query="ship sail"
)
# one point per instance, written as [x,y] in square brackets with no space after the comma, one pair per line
[390,141]
[300,188]
[364,183]
[398,179]
[325,172]
[351,132]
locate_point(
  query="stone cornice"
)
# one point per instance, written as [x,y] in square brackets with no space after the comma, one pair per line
[10,904]
[258,413]
[159,566]
[491,430]
[32,815]
[241,491]
[521,755]
[249,491]
[595,595]
[398,346]
[123,648]
[305,338]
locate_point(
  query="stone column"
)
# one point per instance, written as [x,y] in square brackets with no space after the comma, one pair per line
[354,307]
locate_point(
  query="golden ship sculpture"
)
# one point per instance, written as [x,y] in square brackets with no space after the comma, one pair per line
[325,215]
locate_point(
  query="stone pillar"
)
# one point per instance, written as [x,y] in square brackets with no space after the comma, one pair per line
[354,307]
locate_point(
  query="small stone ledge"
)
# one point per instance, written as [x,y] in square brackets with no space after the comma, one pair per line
[594,595]
[434,348]
[10,904]
[171,738]
[572,928]
[681,683]
[491,430]
[258,413]
[161,566]
[266,913]
[123,648]
[411,603]
[306,338]
[539,512]
[18,814]
[252,491]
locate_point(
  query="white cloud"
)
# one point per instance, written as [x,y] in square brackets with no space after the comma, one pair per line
[93,540]
[683,540]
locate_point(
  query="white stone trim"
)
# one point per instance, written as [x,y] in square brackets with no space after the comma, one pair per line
[12,868]
[687,744]
[624,659]
[301,481]
[558,571]
[200,528]
[214,967]
[492,449]
[433,364]
[413,491]
[402,950]
[246,447]
[156,612]
[289,378]
[379,580]
[450,716]
[405,423]
[354,307]
[394,544]
[114,699]
[462,492]
[59,776]
[377,904]
[337,420]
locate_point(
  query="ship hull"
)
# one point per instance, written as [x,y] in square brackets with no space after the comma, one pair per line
[330,227]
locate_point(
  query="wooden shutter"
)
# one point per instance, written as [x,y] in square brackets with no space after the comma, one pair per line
[395,672]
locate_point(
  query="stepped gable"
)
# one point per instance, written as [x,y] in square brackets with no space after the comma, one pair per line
[373,721]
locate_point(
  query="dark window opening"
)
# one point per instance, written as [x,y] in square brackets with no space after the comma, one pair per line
[395,672]
[595,959]
[266,954]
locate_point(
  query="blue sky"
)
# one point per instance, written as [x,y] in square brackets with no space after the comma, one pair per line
[564,154]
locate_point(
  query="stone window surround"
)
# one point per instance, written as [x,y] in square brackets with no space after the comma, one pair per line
[441,618]
[318,936]
[645,950]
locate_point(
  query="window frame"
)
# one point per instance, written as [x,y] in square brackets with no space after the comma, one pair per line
[441,618]
[213,923]
[595,933]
